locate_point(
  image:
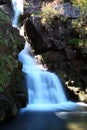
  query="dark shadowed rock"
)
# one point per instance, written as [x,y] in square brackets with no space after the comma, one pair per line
[34,36]
[3,2]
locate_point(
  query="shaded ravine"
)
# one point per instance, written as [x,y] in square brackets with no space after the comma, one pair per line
[44,120]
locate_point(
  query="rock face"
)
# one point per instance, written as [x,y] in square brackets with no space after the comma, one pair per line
[34,35]
[13,94]
[54,36]
[61,57]
[46,38]
[7,7]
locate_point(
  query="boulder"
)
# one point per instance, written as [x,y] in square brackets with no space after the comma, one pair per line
[67,10]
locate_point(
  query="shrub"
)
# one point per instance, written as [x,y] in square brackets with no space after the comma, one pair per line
[80,24]
[48,13]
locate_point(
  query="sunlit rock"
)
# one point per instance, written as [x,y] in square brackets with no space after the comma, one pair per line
[67,10]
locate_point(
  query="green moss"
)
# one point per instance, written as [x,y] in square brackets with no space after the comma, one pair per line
[10,45]
[4,18]
[48,14]
[8,52]
[74,41]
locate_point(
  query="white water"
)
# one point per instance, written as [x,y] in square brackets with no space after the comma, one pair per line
[43,87]
[45,91]
[18,9]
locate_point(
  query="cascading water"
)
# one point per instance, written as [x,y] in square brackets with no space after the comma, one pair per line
[18,9]
[44,88]
[45,91]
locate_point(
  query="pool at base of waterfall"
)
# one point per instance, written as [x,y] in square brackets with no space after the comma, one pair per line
[46,121]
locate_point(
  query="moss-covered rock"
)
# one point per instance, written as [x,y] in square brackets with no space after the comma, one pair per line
[11,78]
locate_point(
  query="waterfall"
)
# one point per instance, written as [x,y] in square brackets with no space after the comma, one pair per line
[43,86]
[45,91]
[18,9]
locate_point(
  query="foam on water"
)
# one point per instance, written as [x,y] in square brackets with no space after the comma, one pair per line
[43,86]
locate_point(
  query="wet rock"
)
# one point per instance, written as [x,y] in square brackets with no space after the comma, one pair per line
[21,99]
[2,114]
[7,105]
